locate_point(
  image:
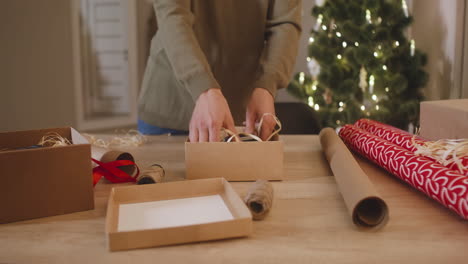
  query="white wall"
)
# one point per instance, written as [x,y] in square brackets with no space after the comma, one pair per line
[437,30]
[36,64]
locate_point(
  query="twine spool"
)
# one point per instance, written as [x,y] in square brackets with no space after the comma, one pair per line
[259,199]
[153,174]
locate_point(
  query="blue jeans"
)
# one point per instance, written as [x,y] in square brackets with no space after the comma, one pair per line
[148,129]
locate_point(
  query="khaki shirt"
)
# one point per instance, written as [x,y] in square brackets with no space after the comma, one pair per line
[234,45]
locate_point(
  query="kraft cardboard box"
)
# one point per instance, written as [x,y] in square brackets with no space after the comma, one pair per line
[170,213]
[235,161]
[444,119]
[44,181]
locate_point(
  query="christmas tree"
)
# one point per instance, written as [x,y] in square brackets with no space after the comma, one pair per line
[362,65]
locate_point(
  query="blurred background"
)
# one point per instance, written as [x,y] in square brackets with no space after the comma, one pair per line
[80,62]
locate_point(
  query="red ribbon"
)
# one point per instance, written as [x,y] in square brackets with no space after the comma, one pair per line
[111,171]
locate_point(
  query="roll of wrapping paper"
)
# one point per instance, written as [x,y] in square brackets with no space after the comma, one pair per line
[259,199]
[105,156]
[402,139]
[446,186]
[392,134]
[365,205]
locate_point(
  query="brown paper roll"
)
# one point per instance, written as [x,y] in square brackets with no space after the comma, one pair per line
[105,155]
[366,206]
[153,174]
[259,199]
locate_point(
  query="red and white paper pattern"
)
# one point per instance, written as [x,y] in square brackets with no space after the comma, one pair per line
[396,136]
[446,186]
[402,139]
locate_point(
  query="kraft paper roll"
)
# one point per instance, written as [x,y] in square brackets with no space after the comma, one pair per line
[153,174]
[366,206]
[105,155]
[259,199]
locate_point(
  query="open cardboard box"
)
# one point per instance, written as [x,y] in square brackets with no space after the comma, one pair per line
[152,215]
[235,161]
[44,181]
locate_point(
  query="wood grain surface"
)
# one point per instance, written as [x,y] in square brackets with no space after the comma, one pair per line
[308,222]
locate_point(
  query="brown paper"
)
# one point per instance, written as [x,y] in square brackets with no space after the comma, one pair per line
[367,208]
[235,161]
[105,155]
[153,174]
[259,199]
[444,119]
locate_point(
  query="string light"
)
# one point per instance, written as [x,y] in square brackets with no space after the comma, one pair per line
[314,85]
[301,78]
[338,122]
[397,43]
[311,101]
[363,108]
[316,107]
[339,56]
[340,109]
[324,27]
[311,40]
[379,47]
[338,34]
[319,19]
[319,22]
[387,89]
[344,44]
[368,16]
[384,67]
[371,84]
[376,54]
[341,104]
[374,97]
[356,44]
[377,107]
[413,47]
[405,7]
[308,59]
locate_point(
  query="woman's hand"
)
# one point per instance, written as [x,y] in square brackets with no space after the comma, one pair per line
[261,102]
[211,113]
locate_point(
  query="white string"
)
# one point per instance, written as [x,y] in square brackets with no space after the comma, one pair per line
[247,136]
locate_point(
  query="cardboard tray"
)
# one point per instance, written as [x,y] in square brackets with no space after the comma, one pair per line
[44,181]
[235,161]
[240,224]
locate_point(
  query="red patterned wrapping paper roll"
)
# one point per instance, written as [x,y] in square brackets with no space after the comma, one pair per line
[402,139]
[446,186]
[392,134]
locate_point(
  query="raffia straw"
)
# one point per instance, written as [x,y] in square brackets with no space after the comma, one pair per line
[52,139]
[132,138]
[444,151]
[229,136]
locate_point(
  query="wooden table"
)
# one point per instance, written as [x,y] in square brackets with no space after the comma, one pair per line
[308,223]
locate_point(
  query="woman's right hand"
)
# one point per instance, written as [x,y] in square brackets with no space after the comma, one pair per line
[211,113]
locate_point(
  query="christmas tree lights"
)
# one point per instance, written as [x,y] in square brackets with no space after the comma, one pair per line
[361,64]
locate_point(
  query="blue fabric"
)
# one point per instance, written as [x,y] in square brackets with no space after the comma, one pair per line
[148,129]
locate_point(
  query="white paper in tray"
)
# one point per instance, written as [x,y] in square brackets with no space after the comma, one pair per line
[173,213]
